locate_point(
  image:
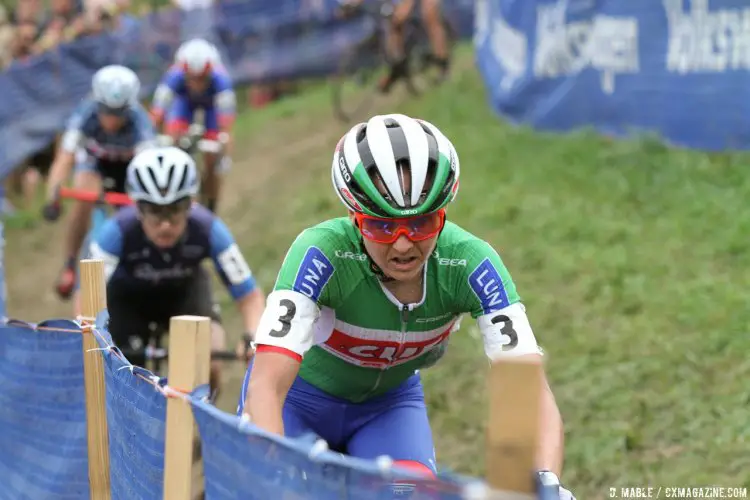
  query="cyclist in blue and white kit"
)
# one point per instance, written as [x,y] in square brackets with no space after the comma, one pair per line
[198,81]
[101,137]
[153,251]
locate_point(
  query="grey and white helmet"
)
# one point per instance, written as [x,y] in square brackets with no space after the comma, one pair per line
[395,166]
[115,86]
[162,176]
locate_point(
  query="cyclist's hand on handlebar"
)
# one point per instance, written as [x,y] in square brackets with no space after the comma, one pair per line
[548,487]
[246,347]
[52,209]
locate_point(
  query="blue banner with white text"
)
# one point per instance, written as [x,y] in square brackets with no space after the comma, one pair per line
[678,68]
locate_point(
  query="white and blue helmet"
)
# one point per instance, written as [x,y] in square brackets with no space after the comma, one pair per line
[115,86]
[162,176]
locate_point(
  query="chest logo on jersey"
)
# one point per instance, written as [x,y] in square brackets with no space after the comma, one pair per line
[444,261]
[109,152]
[488,287]
[147,272]
[314,272]
[372,353]
[343,254]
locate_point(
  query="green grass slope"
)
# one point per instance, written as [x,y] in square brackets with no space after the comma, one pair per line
[632,260]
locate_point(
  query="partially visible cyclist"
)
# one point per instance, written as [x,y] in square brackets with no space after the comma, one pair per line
[101,137]
[196,81]
[153,254]
[432,19]
[430,11]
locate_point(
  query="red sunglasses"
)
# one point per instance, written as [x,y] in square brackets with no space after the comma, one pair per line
[417,228]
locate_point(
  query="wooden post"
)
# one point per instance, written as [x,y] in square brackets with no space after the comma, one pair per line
[515,387]
[189,365]
[94,301]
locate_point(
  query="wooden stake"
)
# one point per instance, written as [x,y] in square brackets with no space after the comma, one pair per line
[513,429]
[189,365]
[94,301]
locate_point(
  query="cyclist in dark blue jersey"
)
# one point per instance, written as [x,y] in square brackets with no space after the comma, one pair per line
[100,139]
[153,251]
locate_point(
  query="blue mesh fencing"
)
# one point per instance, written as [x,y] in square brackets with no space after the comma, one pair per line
[43,438]
[242,462]
[136,414]
[42,412]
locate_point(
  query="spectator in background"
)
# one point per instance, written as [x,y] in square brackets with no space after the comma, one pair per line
[30,11]
[28,31]
[103,15]
[66,24]
[24,40]
[28,19]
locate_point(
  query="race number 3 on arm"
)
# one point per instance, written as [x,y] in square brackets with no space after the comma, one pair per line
[506,332]
[284,334]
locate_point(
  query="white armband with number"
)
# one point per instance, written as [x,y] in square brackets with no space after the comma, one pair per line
[234,265]
[71,140]
[507,332]
[288,321]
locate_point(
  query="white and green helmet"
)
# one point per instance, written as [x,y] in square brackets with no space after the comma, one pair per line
[379,151]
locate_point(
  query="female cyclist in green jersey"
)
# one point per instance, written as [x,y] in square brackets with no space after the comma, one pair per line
[363,302]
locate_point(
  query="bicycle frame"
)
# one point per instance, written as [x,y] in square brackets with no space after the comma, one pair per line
[193,139]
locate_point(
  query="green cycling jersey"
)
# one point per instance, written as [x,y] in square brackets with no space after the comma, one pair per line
[355,340]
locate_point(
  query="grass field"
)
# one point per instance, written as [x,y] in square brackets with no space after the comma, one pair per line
[632,260]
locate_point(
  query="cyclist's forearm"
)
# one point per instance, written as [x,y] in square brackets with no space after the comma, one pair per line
[226,124]
[163,97]
[551,434]
[265,410]
[59,171]
[272,377]
[251,308]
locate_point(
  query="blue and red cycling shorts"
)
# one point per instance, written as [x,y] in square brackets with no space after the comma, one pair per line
[393,424]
